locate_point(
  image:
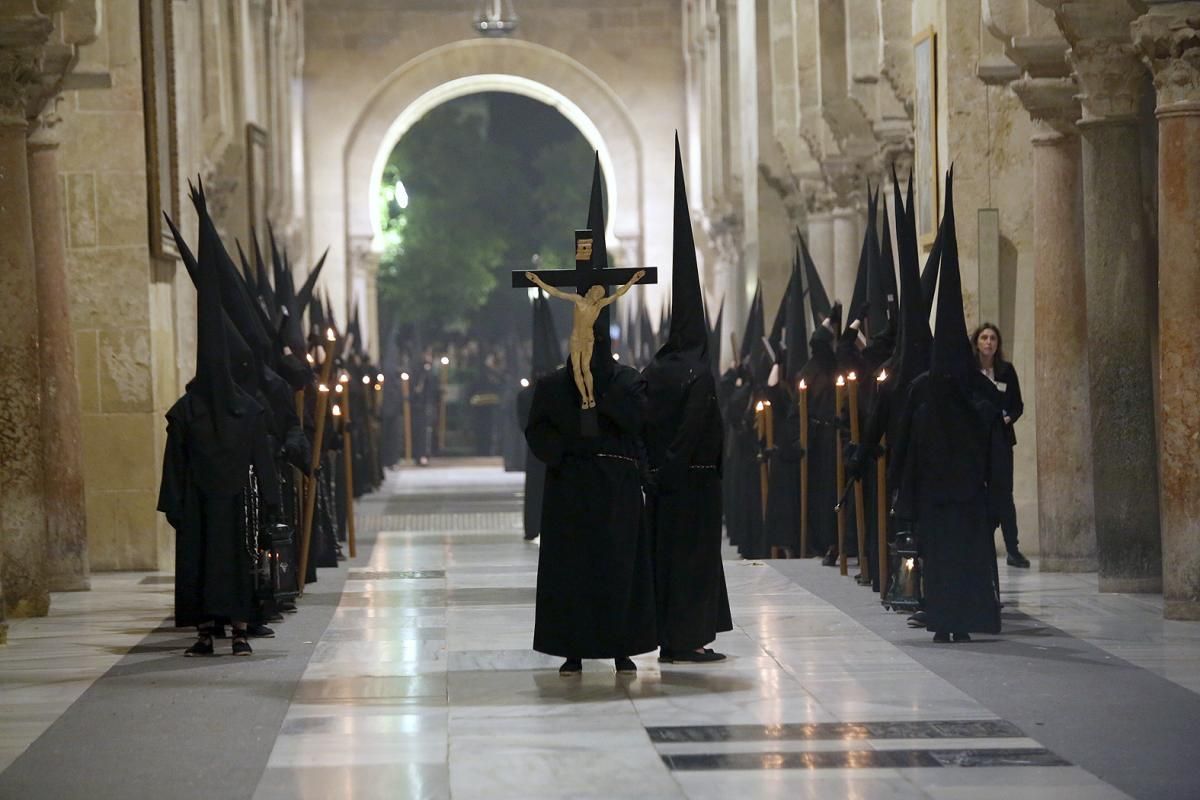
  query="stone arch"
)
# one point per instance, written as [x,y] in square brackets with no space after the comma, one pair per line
[475,65]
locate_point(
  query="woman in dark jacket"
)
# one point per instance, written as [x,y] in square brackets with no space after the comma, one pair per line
[1004,392]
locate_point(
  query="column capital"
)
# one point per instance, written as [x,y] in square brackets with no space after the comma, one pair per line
[44,129]
[1110,78]
[845,179]
[1168,40]
[20,69]
[1053,102]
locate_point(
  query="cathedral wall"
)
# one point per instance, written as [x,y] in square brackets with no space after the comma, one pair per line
[985,133]
[352,48]
[133,312]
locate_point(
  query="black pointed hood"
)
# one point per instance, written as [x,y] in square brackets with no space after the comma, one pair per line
[754,327]
[262,282]
[818,299]
[952,355]
[883,294]
[912,351]
[858,308]
[797,325]
[929,274]
[714,338]
[305,295]
[602,360]
[687,333]
[547,354]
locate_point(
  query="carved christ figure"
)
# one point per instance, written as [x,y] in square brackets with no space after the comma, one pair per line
[587,311]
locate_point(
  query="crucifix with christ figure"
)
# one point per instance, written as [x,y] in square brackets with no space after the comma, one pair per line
[590,281]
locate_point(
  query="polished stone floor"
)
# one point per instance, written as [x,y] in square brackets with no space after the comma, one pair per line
[423,684]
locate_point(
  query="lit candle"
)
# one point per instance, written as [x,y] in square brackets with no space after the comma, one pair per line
[330,335]
[803,400]
[839,390]
[860,512]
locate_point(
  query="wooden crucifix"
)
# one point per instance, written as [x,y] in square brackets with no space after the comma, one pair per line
[590,281]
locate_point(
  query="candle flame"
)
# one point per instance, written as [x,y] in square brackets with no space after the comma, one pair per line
[344,377]
[767,403]
[759,406]
[883,376]
[367,379]
[322,388]
[525,383]
[445,361]
[338,388]
[311,360]
[403,376]
[329,334]
[380,377]
[803,385]
[841,381]
[852,376]
[379,387]
[337,410]
[616,356]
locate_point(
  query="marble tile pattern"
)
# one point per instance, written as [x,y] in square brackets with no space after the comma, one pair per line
[424,684]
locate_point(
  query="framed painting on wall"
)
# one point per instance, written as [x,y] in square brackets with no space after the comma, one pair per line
[926,145]
[158,98]
[258,178]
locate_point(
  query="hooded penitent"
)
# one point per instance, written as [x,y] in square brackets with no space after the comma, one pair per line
[744,511]
[819,374]
[546,357]
[683,444]
[595,586]
[943,447]
[217,451]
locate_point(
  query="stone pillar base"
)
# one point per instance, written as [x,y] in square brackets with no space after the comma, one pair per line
[1182,609]
[1111,585]
[1066,564]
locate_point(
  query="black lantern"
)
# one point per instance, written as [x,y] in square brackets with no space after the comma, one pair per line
[904,589]
[495,18]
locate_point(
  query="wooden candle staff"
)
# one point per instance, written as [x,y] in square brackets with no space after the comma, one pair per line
[881,511]
[839,391]
[860,513]
[310,483]
[407,401]
[803,399]
[348,466]
[761,413]
[443,388]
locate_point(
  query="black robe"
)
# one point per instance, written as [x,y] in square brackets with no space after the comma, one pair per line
[595,587]
[783,498]
[823,490]
[535,470]
[683,445]
[204,494]
[943,452]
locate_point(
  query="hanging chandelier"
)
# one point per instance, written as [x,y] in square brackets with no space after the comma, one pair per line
[495,18]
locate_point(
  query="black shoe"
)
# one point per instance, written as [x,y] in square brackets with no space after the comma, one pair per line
[830,559]
[1015,559]
[260,632]
[942,637]
[625,666]
[572,666]
[241,646]
[917,620]
[706,656]
[276,617]
[962,637]
[201,647]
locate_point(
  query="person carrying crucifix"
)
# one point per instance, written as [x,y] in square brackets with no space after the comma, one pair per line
[595,580]
[587,310]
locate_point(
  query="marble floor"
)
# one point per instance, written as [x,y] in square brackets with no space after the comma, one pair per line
[423,684]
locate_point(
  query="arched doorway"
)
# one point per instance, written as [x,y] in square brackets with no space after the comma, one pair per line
[465,67]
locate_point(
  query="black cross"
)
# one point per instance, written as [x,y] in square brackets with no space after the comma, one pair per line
[586,274]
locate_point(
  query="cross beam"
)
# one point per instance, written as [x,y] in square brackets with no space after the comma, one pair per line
[586,274]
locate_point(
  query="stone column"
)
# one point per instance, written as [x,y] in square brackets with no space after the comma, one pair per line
[62,446]
[1066,515]
[847,245]
[1120,317]
[820,242]
[22,513]
[1169,40]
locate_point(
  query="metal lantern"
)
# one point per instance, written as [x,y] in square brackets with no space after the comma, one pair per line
[495,18]
[904,588]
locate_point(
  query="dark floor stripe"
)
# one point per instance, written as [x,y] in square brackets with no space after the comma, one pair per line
[925,729]
[865,759]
